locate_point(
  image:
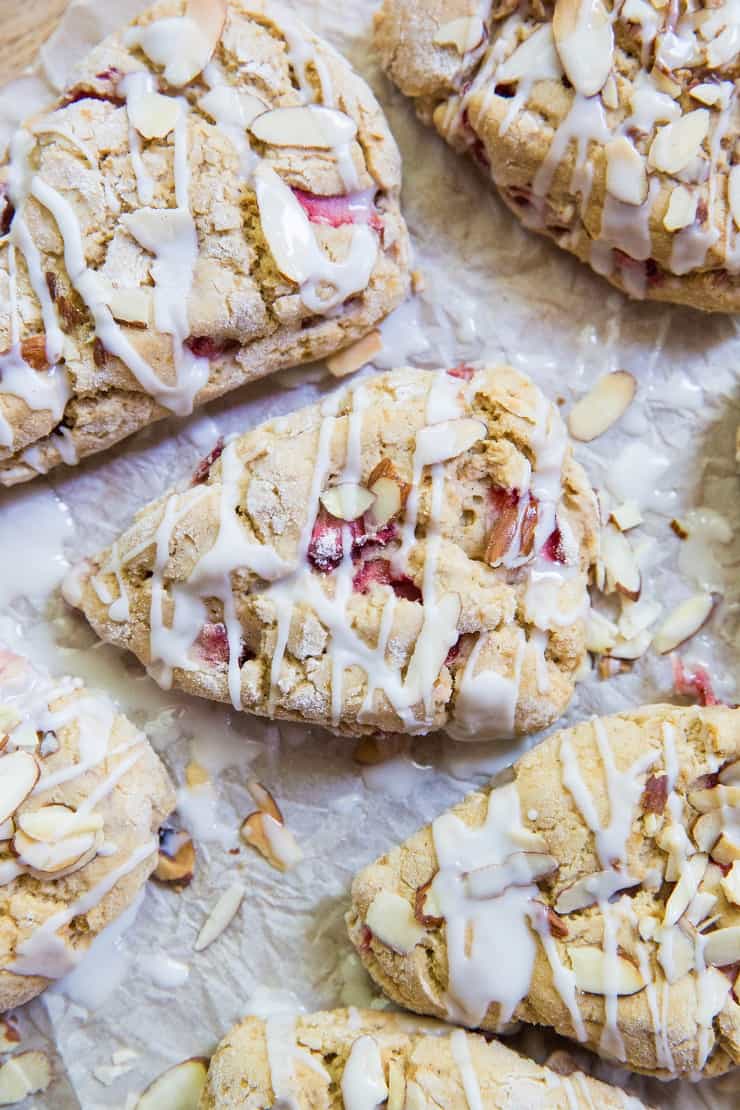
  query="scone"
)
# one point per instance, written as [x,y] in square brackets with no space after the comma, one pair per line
[611,128]
[597,893]
[408,555]
[348,1058]
[214,196]
[82,797]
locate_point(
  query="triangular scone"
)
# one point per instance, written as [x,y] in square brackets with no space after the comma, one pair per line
[332,1059]
[409,555]
[82,797]
[608,127]
[214,196]
[596,893]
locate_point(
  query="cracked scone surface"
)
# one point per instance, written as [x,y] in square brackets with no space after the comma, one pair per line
[83,797]
[618,142]
[452,593]
[597,893]
[143,229]
[420,1064]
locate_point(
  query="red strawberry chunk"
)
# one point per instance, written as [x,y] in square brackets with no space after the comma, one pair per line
[553,548]
[462,371]
[206,346]
[326,549]
[212,643]
[379,571]
[695,683]
[335,211]
[203,469]
[453,653]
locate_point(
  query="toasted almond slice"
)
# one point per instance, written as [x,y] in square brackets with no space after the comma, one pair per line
[622,571]
[501,536]
[179,1088]
[730,884]
[633,648]
[153,115]
[711,94]
[733,193]
[714,797]
[519,869]
[221,916]
[264,800]
[691,875]
[53,823]
[10,1038]
[663,82]
[585,42]
[464,34]
[681,210]
[33,351]
[675,953]
[676,144]
[26,1074]
[626,516]
[48,859]
[178,868]
[707,829]
[610,93]
[347,501]
[388,501]
[727,849]
[722,947]
[597,973]
[684,622]
[626,172]
[700,907]
[358,354]
[309,125]
[19,773]
[589,889]
[535,54]
[391,919]
[437,443]
[602,406]
[601,633]
[130,306]
[186,51]
[272,839]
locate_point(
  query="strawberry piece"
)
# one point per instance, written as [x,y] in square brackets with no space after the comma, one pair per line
[205,346]
[212,643]
[335,211]
[203,469]
[326,548]
[106,90]
[380,572]
[553,548]
[462,371]
[453,653]
[694,684]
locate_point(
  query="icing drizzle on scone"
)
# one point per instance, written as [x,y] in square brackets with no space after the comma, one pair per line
[371,594]
[178,101]
[63,753]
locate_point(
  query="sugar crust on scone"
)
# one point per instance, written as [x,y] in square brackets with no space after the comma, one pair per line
[610,128]
[155,253]
[598,893]
[331,1059]
[452,593]
[83,796]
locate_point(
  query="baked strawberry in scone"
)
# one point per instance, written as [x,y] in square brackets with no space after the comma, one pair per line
[610,127]
[597,893]
[214,196]
[411,554]
[348,1058]
[82,798]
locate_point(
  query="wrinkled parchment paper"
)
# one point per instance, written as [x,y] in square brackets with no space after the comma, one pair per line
[492,291]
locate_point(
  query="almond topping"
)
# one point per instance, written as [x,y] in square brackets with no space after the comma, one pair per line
[390,491]
[685,889]
[730,773]
[437,443]
[53,823]
[71,853]
[26,1074]
[502,534]
[722,947]
[726,851]
[153,115]
[188,49]
[264,800]
[677,144]
[683,622]
[347,501]
[19,773]
[585,42]
[391,919]
[358,354]
[33,351]
[707,829]
[519,869]
[308,125]
[130,306]
[730,884]
[176,859]
[626,173]
[681,210]
[597,973]
[589,889]
[272,839]
[464,34]
[626,516]
[179,1088]
[710,94]
[602,406]
[622,572]
[714,797]
[220,916]
[601,633]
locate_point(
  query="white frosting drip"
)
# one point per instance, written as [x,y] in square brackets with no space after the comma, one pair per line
[461,1053]
[280,1035]
[363,1079]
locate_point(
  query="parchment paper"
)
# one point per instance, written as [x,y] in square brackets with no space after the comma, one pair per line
[492,291]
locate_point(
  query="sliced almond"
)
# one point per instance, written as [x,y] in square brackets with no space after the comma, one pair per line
[53,823]
[620,564]
[221,916]
[727,849]
[28,1073]
[730,773]
[585,43]
[19,773]
[153,115]
[272,839]
[391,919]
[10,1038]
[601,633]
[675,953]
[626,516]
[663,82]
[700,907]
[590,889]
[33,351]
[188,49]
[502,533]
[610,93]
[49,859]
[179,1088]
[681,210]
[715,797]
[347,501]
[177,868]
[707,829]
[519,869]
[685,889]
[388,501]
[684,622]
[439,442]
[709,93]
[730,884]
[426,907]
[357,355]
[626,172]
[602,406]
[131,306]
[677,144]
[264,800]
[722,947]
[597,973]
[733,193]
[464,34]
[631,649]
[309,125]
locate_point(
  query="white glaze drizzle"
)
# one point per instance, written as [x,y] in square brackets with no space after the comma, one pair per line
[463,1060]
[363,1080]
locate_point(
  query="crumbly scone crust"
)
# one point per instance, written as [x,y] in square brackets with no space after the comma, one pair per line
[132,811]
[419,1056]
[244,315]
[705,739]
[276,467]
[547,147]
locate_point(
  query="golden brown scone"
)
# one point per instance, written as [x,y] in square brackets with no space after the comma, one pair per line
[330,1059]
[410,555]
[214,196]
[610,128]
[597,893]
[82,797]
